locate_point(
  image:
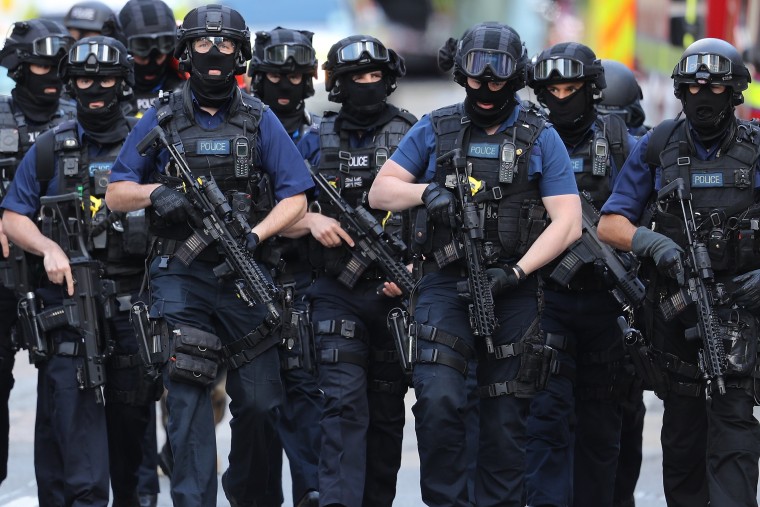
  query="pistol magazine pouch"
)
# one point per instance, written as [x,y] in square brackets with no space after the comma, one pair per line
[195,356]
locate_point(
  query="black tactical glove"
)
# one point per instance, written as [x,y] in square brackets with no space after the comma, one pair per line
[505,279]
[251,241]
[663,250]
[171,205]
[748,293]
[441,204]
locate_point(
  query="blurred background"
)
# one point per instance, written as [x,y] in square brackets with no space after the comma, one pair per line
[646,35]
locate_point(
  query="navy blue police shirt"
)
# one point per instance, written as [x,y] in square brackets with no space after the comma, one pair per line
[549,160]
[24,193]
[637,182]
[279,156]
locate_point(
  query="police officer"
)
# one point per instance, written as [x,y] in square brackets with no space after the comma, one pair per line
[577,418]
[91,17]
[31,54]
[151,34]
[72,446]
[203,118]
[710,448]
[363,384]
[623,97]
[283,69]
[493,131]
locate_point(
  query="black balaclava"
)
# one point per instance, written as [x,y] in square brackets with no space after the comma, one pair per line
[709,113]
[212,91]
[105,125]
[503,100]
[365,104]
[152,68]
[290,114]
[31,98]
[571,116]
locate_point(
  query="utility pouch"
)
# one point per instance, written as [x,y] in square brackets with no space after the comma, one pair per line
[739,332]
[298,340]
[536,362]
[195,356]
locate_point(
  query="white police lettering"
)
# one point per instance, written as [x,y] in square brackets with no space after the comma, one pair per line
[213,147]
[577,165]
[87,13]
[32,136]
[707,180]
[483,150]
[144,104]
[359,161]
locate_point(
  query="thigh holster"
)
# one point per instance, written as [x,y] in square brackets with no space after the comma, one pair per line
[431,334]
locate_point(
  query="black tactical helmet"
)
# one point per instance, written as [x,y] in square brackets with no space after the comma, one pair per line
[38,41]
[622,90]
[148,25]
[567,62]
[713,61]
[213,20]
[488,51]
[360,53]
[283,51]
[97,56]
[92,16]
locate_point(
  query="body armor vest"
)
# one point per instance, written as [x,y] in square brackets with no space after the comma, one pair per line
[117,239]
[723,197]
[509,202]
[144,99]
[17,135]
[229,153]
[352,171]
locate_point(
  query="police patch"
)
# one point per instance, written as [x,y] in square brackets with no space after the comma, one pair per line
[483,150]
[213,147]
[359,161]
[707,180]
[353,182]
[576,164]
[100,167]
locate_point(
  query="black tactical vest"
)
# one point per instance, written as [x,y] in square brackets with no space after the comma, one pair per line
[509,201]
[229,153]
[117,239]
[723,196]
[144,100]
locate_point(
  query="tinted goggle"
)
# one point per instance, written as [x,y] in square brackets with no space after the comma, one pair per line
[714,64]
[143,45]
[353,52]
[280,53]
[52,45]
[476,61]
[103,53]
[565,68]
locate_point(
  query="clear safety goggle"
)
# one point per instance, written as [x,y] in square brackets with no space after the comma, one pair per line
[476,61]
[142,45]
[566,68]
[51,45]
[280,53]
[103,53]
[353,52]
[714,64]
[223,44]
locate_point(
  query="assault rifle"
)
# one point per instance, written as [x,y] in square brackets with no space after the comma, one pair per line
[373,244]
[621,267]
[221,225]
[699,287]
[477,287]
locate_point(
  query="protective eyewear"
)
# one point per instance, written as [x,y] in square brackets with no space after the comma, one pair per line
[103,53]
[714,64]
[476,61]
[52,45]
[223,44]
[143,45]
[353,52]
[566,68]
[280,53]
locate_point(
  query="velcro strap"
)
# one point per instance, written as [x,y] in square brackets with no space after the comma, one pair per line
[71,349]
[435,335]
[123,361]
[561,342]
[344,328]
[252,345]
[435,356]
[398,387]
[333,356]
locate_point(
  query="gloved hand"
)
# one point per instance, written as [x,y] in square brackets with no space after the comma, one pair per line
[748,293]
[251,241]
[441,204]
[172,205]
[663,250]
[503,279]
